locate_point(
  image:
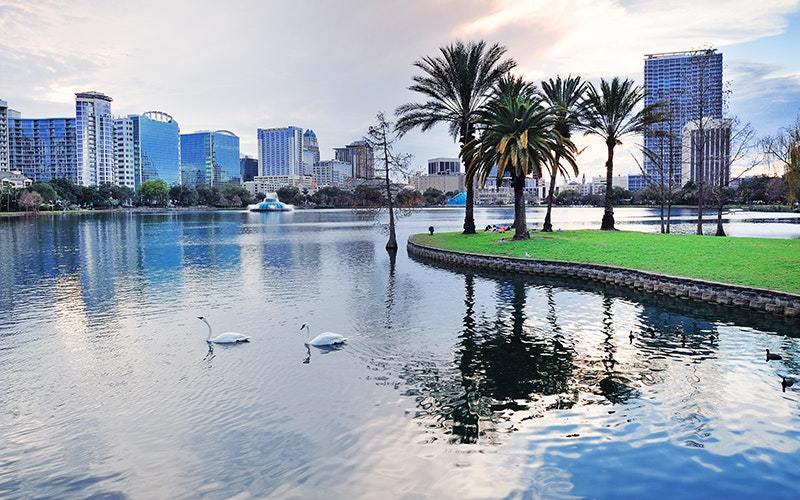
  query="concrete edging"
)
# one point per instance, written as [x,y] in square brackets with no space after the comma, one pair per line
[758,299]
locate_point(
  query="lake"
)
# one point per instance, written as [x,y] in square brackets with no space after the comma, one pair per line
[452,383]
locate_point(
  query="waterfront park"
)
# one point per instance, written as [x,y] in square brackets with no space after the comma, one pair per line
[183,341]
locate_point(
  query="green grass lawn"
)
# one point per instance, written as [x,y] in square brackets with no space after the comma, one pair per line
[759,262]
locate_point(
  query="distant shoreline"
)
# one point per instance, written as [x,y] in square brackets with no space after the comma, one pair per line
[85,211]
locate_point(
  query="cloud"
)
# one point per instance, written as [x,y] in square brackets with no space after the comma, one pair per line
[605,37]
[331,66]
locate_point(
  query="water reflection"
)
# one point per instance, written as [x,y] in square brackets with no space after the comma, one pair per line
[109,388]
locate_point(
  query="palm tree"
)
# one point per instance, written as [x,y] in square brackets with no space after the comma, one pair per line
[456,84]
[565,98]
[611,114]
[518,136]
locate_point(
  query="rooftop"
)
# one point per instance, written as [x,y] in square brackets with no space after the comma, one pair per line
[93,94]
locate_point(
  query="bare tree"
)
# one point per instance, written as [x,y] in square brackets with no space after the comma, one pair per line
[658,175]
[783,148]
[740,152]
[382,137]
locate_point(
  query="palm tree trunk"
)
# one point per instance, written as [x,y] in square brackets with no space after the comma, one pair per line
[520,223]
[720,229]
[469,208]
[548,225]
[467,135]
[608,214]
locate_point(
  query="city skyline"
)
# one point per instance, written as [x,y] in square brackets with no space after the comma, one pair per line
[41,73]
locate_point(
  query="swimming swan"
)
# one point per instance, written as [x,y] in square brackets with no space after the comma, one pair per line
[323,339]
[224,338]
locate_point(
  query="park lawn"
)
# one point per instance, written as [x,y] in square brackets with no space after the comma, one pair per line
[758,262]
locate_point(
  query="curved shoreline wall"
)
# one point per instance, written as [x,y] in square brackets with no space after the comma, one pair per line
[742,297]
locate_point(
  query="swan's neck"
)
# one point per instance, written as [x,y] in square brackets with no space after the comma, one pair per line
[308,334]
[209,330]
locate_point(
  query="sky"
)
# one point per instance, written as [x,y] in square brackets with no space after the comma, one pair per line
[332,65]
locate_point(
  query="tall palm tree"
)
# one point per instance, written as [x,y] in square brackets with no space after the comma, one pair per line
[518,136]
[566,100]
[456,83]
[611,114]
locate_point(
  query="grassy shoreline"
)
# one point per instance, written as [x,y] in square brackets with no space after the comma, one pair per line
[757,262]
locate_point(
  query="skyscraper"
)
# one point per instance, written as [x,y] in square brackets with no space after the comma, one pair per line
[95,136]
[688,84]
[43,148]
[716,148]
[209,158]
[361,156]
[310,152]
[125,148]
[147,147]
[248,168]
[280,151]
[4,165]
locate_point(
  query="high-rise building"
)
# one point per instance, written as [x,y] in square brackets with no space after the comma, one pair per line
[209,158]
[95,136]
[360,155]
[125,149]
[4,165]
[689,86]
[43,148]
[714,150]
[147,147]
[280,151]
[248,168]
[310,152]
[444,166]
[332,172]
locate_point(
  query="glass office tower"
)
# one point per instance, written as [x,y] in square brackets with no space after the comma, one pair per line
[280,151]
[43,148]
[209,158]
[687,84]
[159,148]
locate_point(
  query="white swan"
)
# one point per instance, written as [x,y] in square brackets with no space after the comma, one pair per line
[323,339]
[224,338]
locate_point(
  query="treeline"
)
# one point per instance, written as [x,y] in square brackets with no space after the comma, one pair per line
[361,197]
[757,190]
[62,194]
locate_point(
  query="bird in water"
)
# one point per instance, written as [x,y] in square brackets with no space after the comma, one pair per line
[787,382]
[630,337]
[225,337]
[323,339]
[773,357]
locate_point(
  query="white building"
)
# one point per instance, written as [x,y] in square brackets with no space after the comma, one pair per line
[14,178]
[262,184]
[715,153]
[280,151]
[444,166]
[332,172]
[95,138]
[444,183]
[4,159]
[124,151]
[598,185]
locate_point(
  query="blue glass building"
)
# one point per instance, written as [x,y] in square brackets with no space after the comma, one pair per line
[209,158]
[687,84]
[43,148]
[248,168]
[280,151]
[159,148]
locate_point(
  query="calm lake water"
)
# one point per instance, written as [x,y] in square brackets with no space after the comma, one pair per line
[453,383]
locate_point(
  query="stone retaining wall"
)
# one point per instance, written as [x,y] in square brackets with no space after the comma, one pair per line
[786,304]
